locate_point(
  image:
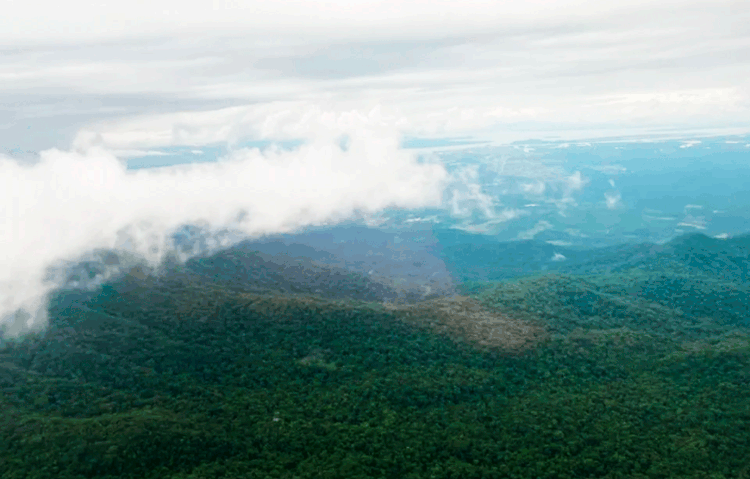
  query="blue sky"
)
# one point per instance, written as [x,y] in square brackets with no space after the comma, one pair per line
[94,93]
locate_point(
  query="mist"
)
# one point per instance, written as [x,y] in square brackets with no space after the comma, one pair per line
[71,203]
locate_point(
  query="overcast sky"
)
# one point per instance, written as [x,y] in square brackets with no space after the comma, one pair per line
[437,67]
[87,83]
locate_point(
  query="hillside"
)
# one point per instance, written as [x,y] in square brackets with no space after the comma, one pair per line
[697,254]
[228,367]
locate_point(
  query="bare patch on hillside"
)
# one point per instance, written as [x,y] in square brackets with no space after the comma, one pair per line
[466,319]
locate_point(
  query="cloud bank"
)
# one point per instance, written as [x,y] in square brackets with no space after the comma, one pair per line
[502,70]
[73,202]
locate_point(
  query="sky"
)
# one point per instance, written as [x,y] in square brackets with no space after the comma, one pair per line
[84,85]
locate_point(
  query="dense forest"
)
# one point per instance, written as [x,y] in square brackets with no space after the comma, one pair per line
[231,367]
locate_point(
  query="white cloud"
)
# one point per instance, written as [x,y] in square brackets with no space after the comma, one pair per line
[74,202]
[559,243]
[613,200]
[696,225]
[275,120]
[492,226]
[569,66]
[538,228]
[467,195]
[658,218]
[535,189]
[610,169]
[576,182]
[575,232]
[319,20]
[139,153]
[697,222]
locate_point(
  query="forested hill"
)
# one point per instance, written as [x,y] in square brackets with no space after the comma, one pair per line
[696,276]
[698,254]
[232,367]
[243,269]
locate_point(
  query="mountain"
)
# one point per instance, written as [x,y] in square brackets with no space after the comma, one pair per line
[249,364]
[688,254]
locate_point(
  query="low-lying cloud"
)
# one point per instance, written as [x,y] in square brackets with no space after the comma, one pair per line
[72,202]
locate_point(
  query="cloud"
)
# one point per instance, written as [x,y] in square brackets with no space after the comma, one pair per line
[609,169]
[128,153]
[501,70]
[467,196]
[367,19]
[559,243]
[534,189]
[493,225]
[697,222]
[576,182]
[538,228]
[282,120]
[613,200]
[73,202]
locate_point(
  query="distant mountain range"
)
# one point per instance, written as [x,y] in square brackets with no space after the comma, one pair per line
[693,253]
[369,265]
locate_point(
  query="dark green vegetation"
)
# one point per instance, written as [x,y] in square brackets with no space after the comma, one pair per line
[644,373]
